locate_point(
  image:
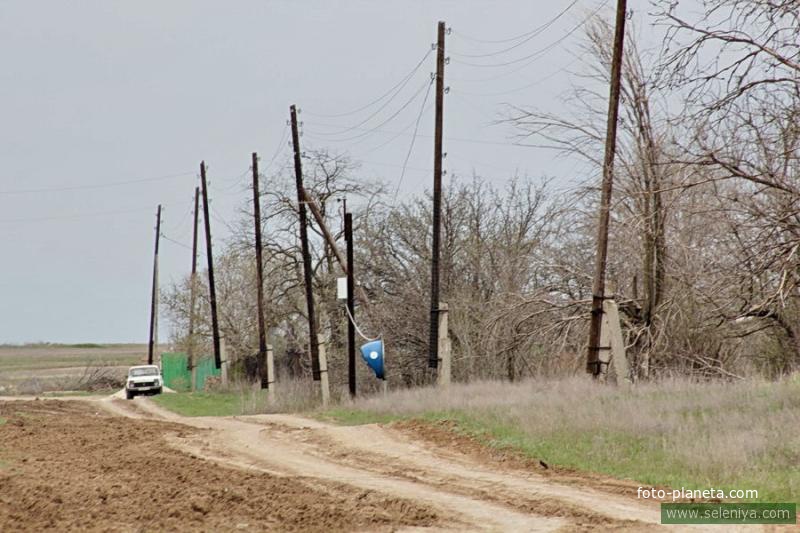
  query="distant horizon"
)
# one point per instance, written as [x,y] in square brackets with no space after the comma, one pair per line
[87,345]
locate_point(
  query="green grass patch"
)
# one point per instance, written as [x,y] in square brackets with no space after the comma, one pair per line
[671,435]
[3,420]
[352,417]
[78,393]
[212,403]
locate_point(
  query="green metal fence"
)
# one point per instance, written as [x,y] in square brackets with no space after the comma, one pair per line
[177,376]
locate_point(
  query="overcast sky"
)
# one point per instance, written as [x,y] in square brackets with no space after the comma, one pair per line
[98,93]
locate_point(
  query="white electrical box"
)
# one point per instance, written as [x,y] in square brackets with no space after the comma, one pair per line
[341,288]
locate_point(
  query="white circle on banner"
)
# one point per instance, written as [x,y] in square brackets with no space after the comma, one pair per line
[373,354]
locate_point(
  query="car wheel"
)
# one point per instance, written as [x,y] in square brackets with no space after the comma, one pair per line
[129,395]
[158,391]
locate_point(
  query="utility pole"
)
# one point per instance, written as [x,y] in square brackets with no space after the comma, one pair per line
[326,233]
[212,291]
[593,362]
[351,307]
[191,363]
[313,341]
[262,333]
[153,341]
[433,351]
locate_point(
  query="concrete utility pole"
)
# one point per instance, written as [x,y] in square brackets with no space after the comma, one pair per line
[191,363]
[153,341]
[351,306]
[262,333]
[212,291]
[594,365]
[433,350]
[313,341]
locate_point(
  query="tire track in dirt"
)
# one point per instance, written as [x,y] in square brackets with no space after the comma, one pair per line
[389,461]
[73,466]
[246,442]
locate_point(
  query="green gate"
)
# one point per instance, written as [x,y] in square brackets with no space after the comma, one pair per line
[177,376]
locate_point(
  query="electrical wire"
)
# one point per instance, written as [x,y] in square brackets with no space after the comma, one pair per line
[531,58]
[173,241]
[492,41]
[375,113]
[358,330]
[281,147]
[535,55]
[397,135]
[179,227]
[77,217]
[387,93]
[534,33]
[413,140]
[456,139]
[565,68]
[96,186]
[370,130]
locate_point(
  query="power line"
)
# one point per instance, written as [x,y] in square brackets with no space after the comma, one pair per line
[179,227]
[533,33]
[173,241]
[76,217]
[531,58]
[523,87]
[413,140]
[452,139]
[493,41]
[280,148]
[95,186]
[535,55]
[370,130]
[376,112]
[384,95]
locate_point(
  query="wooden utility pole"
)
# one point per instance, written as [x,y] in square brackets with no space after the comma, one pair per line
[594,365]
[190,360]
[313,341]
[326,233]
[153,341]
[212,291]
[433,351]
[262,333]
[351,306]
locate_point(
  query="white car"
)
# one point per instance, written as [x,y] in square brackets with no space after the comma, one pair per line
[144,379]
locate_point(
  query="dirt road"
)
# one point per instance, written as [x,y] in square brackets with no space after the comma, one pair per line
[274,472]
[465,494]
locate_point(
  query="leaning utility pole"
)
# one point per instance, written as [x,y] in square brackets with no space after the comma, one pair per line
[153,341]
[191,363]
[351,306]
[212,291]
[326,234]
[593,362]
[433,351]
[262,333]
[307,275]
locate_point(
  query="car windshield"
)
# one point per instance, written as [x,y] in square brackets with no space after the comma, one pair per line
[136,372]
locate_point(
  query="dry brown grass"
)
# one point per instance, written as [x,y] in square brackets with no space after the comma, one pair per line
[674,433]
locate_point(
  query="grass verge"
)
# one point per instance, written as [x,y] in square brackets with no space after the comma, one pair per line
[211,403]
[675,434]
